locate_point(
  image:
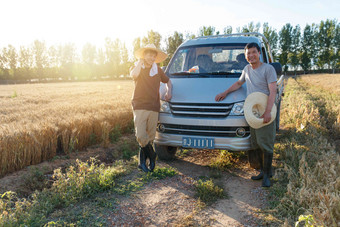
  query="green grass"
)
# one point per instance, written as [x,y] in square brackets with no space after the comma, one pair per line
[79,196]
[78,182]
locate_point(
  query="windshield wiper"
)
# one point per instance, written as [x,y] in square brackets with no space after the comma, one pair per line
[203,74]
[191,74]
[183,73]
[221,73]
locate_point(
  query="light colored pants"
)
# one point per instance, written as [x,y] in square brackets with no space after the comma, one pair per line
[145,126]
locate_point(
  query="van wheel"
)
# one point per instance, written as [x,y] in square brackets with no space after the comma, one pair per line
[253,159]
[165,152]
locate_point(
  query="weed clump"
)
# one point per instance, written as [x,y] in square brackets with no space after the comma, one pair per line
[208,192]
[226,160]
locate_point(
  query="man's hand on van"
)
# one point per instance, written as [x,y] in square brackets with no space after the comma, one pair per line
[232,88]
[220,96]
[168,94]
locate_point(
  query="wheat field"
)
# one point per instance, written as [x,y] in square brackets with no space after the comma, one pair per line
[37,120]
[308,151]
[330,82]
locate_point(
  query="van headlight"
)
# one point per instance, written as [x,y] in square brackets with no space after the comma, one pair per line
[165,107]
[237,109]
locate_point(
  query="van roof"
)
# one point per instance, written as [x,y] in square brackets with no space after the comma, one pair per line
[220,39]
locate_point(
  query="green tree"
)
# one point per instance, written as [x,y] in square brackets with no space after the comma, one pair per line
[206,31]
[190,36]
[307,47]
[54,59]
[68,58]
[116,57]
[228,30]
[326,36]
[136,45]
[172,43]
[12,60]
[272,38]
[305,61]
[113,58]
[125,64]
[285,42]
[335,50]
[89,53]
[101,59]
[4,63]
[152,38]
[25,60]
[295,47]
[109,58]
[40,58]
[251,27]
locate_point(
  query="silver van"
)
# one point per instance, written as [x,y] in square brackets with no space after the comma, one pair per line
[200,69]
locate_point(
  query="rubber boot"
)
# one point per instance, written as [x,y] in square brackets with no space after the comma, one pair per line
[260,158]
[267,165]
[260,175]
[142,160]
[151,154]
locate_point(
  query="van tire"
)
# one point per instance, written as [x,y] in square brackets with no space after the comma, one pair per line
[165,153]
[253,159]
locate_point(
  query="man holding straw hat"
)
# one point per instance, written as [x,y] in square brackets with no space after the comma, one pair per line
[261,93]
[147,76]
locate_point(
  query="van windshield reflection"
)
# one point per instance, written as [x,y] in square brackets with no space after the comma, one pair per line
[210,60]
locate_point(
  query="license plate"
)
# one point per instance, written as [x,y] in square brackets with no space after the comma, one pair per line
[191,142]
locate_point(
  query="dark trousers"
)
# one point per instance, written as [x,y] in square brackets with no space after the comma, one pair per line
[263,138]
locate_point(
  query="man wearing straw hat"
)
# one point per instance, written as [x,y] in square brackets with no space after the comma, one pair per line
[261,86]
[147,76]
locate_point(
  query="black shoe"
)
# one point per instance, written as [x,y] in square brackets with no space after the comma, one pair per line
[267,165]
[258,177]
[151,154]
[142,161]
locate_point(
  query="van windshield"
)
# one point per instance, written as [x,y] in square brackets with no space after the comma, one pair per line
[208,60]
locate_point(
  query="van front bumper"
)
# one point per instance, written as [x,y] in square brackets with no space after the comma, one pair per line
[171,130]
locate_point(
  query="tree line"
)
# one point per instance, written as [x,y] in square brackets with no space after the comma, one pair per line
[316,47]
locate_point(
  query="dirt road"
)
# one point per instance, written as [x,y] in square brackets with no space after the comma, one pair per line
[171,201]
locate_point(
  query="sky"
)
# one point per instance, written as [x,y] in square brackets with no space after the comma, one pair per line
[91,21]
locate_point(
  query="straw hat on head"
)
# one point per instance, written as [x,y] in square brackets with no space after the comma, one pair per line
[161,56]
[254,107]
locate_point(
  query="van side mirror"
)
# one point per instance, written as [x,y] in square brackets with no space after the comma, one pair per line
[278,68]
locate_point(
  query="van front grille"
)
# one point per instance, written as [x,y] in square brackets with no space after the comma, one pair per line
[201,109]
[196,130]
